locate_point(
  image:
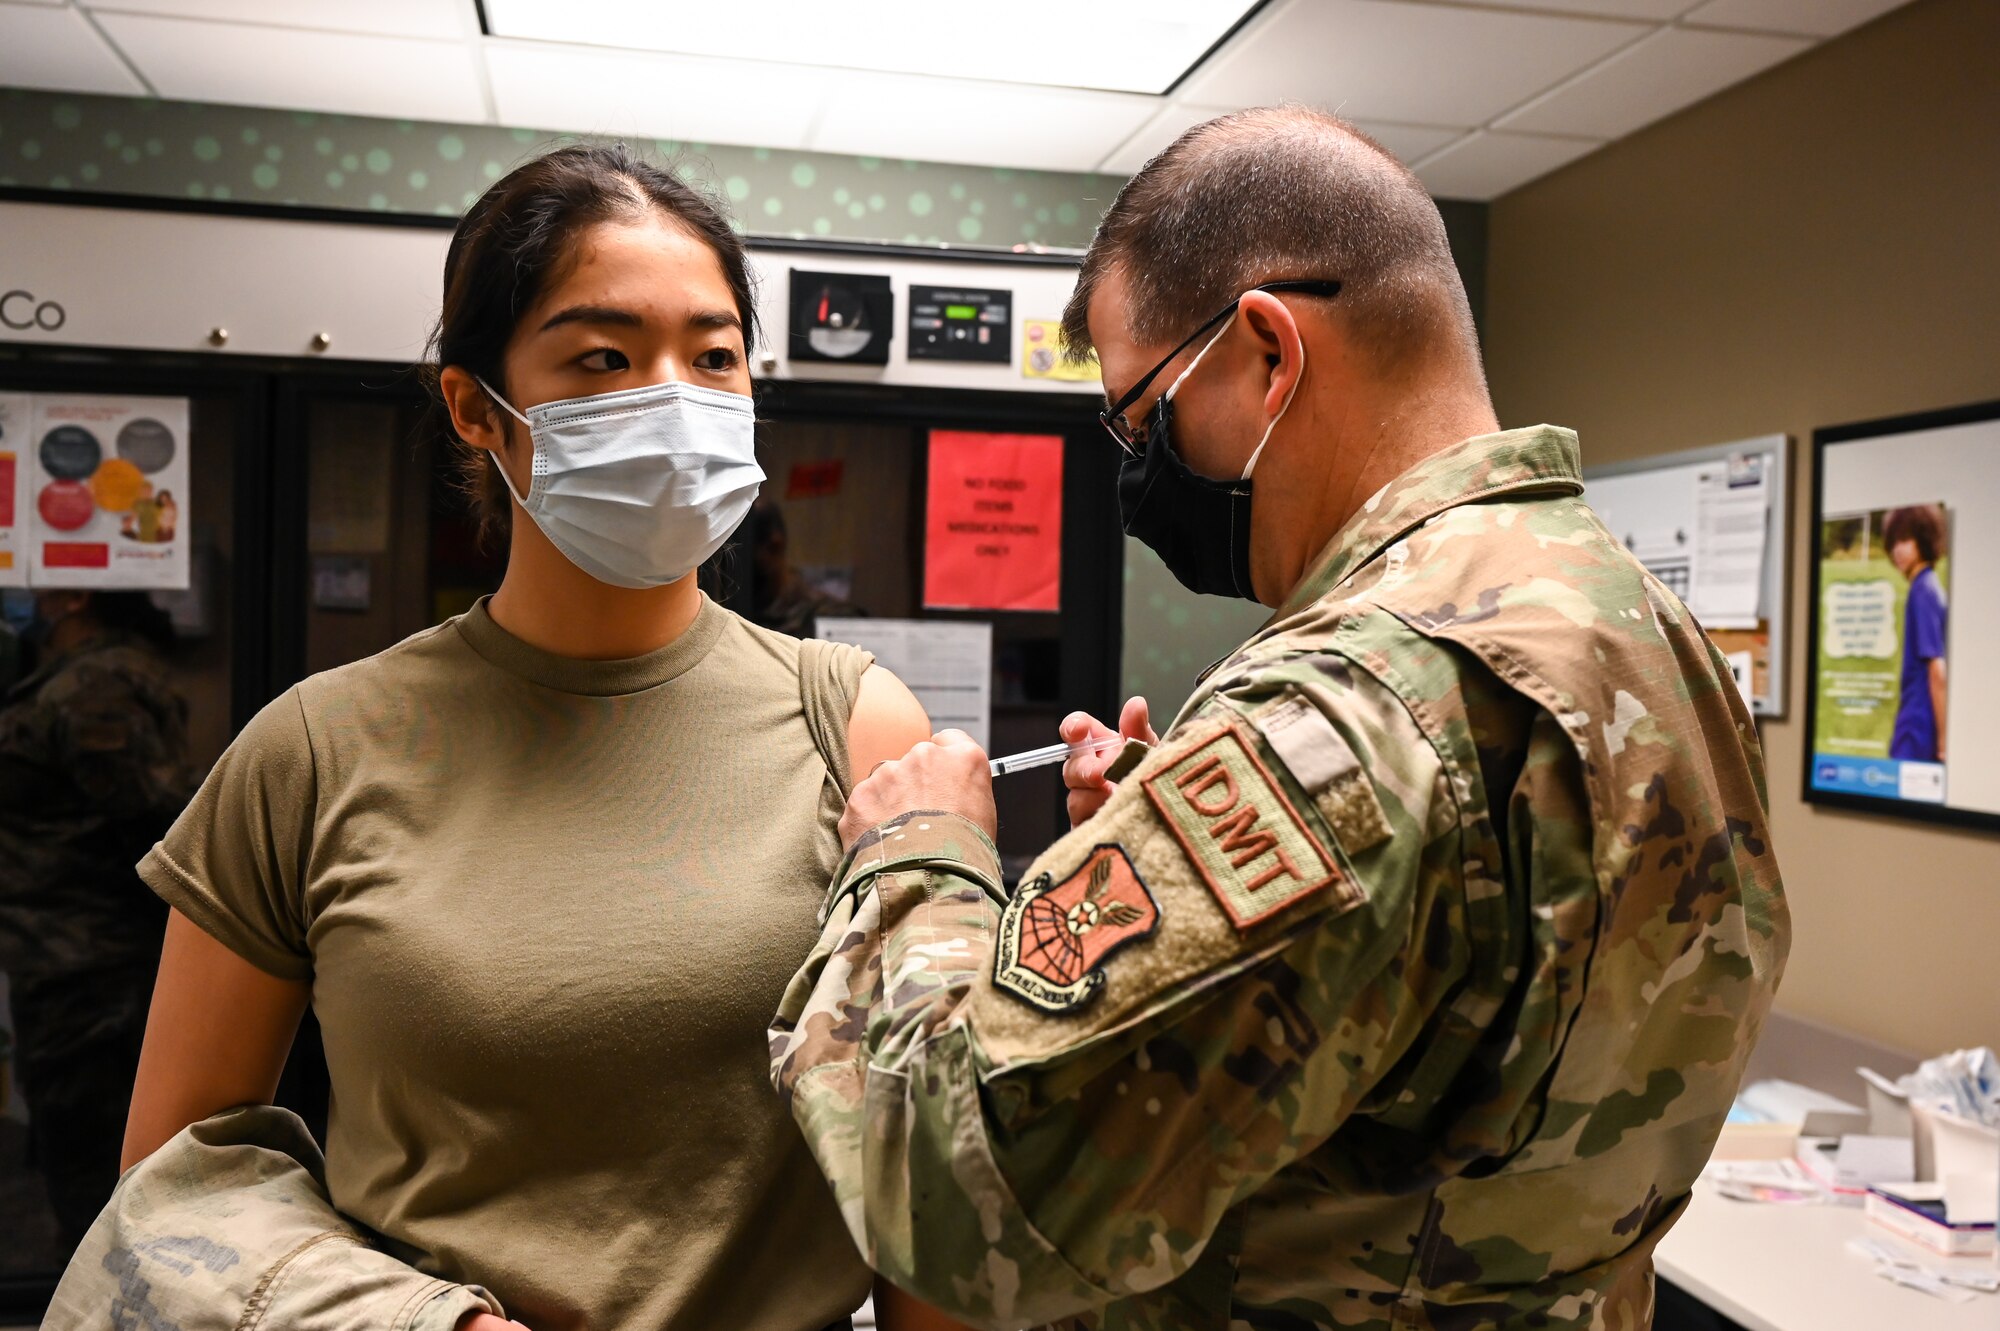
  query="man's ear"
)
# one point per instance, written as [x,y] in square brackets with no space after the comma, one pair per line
[1270,321]
[473,414]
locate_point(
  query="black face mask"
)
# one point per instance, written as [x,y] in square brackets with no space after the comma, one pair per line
[1199,527]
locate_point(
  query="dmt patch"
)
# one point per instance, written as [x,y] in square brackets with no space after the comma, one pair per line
[1054,936]
[1244,836]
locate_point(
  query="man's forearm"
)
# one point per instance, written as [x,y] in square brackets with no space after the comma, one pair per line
[908,923]
[880,1076]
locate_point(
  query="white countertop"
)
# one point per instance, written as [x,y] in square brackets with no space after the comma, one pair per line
[1787,1268]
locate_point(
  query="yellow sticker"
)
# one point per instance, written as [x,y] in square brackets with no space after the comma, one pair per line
[1042,358]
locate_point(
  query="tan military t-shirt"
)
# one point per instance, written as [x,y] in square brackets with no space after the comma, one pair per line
[547,907]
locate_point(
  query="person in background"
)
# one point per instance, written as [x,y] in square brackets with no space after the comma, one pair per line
[542,871]
[1915,537]
[14,651]
[1407,981]
[780,596]
[93,768]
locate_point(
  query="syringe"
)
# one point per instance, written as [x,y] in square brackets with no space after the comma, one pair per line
[1053,753]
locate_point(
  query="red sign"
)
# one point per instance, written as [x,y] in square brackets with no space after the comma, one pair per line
[6,489]
[74,554]
[993,529]
[814,480]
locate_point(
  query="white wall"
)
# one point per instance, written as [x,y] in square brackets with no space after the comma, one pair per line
[160,281]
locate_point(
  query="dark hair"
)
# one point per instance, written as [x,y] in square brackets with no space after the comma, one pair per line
[1921,523]
[1268,194]
[134,613]
[514,243]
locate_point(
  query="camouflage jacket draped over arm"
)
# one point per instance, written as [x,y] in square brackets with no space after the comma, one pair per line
[227,1227]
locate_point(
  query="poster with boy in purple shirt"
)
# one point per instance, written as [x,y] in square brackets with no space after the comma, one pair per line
[1916,540]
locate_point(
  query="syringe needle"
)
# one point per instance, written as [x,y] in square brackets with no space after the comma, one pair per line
[1052,754]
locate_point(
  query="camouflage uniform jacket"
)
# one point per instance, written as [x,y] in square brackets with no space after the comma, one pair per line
[1406,983]
[227,1228]
[93,768]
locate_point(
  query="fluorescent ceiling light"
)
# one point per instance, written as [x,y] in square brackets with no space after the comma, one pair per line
[1122,45]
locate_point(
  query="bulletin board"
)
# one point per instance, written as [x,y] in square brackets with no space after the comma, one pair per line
[1710,524]
[1903,678]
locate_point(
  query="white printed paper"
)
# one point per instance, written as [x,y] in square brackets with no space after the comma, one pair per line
[109,490]
[1732,526]
[948,664]
[16,412]
[1743,667]
[1653,514]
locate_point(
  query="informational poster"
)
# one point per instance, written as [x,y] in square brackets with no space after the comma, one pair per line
[993,521]
[16,417]
[108,478]
[948,664]
[1880,720]
[1042,357]
[1709,523]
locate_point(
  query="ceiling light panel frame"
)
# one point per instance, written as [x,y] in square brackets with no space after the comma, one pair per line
[1130,46]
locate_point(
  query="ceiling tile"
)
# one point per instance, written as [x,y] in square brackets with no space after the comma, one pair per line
[307,71]
[1408,142]
[1814,18]
[1487,165]
[592,90]
[1418,63]
[1649,10]
[389,18]
[989,124]
[1174,119]
[43,47]
[1675,67]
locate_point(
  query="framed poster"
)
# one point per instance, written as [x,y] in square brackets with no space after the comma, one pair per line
[1709,523]
[1903,681]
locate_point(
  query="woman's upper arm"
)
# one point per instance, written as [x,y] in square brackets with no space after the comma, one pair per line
[887,723]
[217,1036]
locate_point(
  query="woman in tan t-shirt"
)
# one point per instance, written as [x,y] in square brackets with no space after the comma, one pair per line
[544,870]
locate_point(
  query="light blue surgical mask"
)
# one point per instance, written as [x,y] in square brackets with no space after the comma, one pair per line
[637,488]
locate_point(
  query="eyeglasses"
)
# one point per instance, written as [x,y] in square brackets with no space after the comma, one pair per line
[1132,438]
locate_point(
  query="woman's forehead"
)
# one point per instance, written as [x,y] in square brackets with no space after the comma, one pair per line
[647,264]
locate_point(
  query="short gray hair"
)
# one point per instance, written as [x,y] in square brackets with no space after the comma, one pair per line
[1273,193]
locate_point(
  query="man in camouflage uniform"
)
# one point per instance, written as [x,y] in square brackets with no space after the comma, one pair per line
[1407,981]
[93,752]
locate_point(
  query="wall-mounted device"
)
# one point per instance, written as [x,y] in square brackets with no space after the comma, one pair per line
[845,317]
[961,323]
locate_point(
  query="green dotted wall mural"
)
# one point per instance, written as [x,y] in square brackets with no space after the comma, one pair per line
[245,155]
[1172,635]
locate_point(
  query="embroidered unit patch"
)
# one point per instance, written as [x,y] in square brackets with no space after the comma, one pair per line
[1242,834]
[1054,936]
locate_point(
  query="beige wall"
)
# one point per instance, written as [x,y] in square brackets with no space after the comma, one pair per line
[1817,246]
